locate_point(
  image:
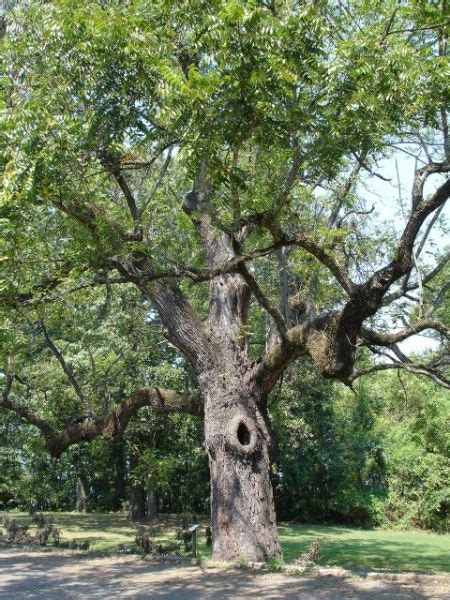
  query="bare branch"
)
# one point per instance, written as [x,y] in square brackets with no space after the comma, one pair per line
[425,147]
[427,231]
[445,134]
[421,177]
[158,182]
[416,369]
[264,302]
[419,282]
[387,339]
[416,29]
[354,212]
[346,188]
[402,291]
[366,167]
[439,299]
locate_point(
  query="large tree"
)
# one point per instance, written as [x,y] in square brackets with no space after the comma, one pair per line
[214,155]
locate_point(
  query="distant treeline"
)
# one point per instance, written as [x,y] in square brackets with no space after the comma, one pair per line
[378,456]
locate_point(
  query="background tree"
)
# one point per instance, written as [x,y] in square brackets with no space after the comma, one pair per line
[69,365]
[221,144]
[330,464]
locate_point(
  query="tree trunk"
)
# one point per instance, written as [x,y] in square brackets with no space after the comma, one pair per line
[80,505]
[238,443]
[136,511]
[119,482]
[137,503]
[151,504]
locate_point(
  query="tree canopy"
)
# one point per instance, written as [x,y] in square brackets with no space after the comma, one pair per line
[212,160]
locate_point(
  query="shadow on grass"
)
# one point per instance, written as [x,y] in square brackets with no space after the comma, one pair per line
[354,548]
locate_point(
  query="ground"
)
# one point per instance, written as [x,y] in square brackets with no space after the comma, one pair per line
[347,547]
[349,557]
[63,576]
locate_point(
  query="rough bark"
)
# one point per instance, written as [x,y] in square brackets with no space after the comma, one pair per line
[237,439]
[238,444]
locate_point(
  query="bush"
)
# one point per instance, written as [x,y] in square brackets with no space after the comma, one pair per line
[275,564]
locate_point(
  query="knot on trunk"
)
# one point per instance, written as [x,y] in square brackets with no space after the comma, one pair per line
[242,434]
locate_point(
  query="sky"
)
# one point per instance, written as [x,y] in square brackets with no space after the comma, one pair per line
[385,196]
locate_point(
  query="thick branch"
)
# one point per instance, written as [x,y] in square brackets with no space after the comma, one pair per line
[318,251]
[114,424]
[128,194]
[182,326]
[421,177]
[368,297]
[230,293]
[88,216]
[112,165]
[272,364]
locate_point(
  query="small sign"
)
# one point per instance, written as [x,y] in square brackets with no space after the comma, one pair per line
[193,529]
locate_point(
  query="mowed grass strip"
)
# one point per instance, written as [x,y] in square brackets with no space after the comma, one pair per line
[377,549]
[367,549]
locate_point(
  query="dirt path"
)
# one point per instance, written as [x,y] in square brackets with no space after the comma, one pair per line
[27,574]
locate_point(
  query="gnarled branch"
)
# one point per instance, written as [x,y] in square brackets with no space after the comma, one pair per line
[110,427]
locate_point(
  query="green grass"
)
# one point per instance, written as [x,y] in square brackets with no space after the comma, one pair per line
[106,531]
[377,549]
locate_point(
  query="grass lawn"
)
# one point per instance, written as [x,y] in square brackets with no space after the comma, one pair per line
[377,549]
